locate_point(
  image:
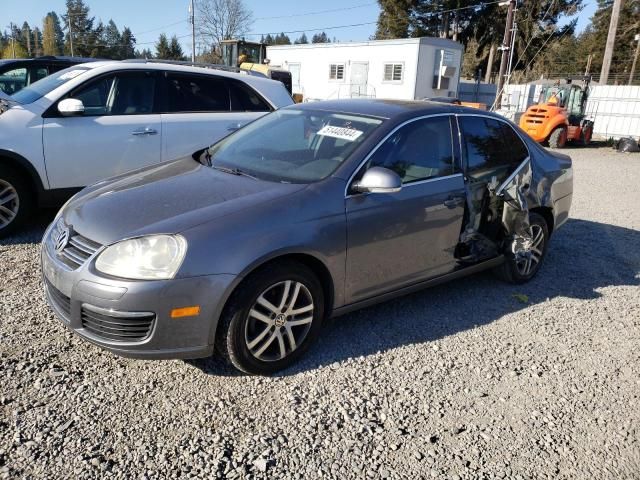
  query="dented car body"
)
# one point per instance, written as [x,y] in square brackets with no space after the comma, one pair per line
[314,210]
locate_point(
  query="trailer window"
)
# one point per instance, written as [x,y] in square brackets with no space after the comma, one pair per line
[393,72]
[336,71]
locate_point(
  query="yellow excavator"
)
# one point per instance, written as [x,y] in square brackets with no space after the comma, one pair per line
[251,56]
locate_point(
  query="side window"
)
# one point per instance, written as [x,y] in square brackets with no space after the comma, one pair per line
[95,96]
[134,93]
[420,150]
[38,73]
[245,99]
[128,93]
[515,146]
[197,93]
[486,146]
[13,81]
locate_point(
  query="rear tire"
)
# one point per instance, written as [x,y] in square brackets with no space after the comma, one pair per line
[586,135]
[271,319]
[558,138]
[518,271]
[16,201]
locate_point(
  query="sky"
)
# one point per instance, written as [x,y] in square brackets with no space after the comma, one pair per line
[148,18]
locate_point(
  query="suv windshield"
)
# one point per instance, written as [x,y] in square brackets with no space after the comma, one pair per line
[295,146]
[40,88]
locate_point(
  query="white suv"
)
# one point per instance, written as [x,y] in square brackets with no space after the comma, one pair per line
[97,120]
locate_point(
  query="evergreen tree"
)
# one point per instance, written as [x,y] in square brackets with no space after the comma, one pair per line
[175,49]
[268,40]
[282,39]
[127,44]
[113,40]
[394,19]
[320,38]
[25,38]
[144,53]
[302,39]
[50,44]
[84,35]
[163,51]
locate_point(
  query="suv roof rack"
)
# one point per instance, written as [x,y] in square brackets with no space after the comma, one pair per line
[186,63]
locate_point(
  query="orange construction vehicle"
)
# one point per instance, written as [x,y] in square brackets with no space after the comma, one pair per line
[559,117]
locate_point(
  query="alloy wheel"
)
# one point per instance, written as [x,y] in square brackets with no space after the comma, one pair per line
[9,203]
[528,264]
[279,320]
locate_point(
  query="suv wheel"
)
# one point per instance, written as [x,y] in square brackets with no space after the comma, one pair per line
[520,270]
[271,319]
[15,201]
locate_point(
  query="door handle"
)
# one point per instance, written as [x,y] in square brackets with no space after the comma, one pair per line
[146,131]
[453,202]
[233,127]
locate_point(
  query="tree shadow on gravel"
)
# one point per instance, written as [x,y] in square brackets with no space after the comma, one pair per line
[583,257]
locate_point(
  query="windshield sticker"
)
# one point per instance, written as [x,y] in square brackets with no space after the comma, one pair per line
[343,133]
[71,74]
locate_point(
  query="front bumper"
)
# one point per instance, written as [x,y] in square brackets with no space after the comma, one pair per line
[133,318]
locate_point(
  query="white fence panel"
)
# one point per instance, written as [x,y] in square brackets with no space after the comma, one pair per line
[616,110]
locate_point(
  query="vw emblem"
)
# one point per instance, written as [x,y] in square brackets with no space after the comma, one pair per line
[62,238]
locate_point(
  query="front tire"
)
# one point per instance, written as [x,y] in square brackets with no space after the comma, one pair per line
[520,270]
[16,201]
[271,319]
[558,138]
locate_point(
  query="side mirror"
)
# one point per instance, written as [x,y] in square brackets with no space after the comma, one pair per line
[379,180]
[70,107]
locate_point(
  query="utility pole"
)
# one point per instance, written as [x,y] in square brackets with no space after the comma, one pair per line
[635,60]
[13,40]
[192,19]
[492,53]
[70,33]
[505,47]
[611,40]
[587,70]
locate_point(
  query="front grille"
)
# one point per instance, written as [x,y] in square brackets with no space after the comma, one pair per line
[118,327]
[77,250]
[60,301]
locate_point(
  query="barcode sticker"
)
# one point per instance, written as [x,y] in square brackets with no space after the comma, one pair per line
[343,133]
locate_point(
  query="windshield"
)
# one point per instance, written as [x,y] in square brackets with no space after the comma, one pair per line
[40,88]
[293,146]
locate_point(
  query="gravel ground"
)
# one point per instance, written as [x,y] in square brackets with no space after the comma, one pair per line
[465,380]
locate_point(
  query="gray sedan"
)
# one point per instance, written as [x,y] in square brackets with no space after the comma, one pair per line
[309,212]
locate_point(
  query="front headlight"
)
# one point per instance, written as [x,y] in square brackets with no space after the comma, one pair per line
[156,257]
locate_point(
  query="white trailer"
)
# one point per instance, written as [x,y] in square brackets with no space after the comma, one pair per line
[403,69]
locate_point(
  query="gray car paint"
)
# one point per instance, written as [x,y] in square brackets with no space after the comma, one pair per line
[366,243]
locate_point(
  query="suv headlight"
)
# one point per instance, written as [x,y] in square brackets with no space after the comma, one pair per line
[156,257]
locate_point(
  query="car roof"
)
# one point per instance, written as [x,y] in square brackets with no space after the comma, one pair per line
[388,109]
[169,66]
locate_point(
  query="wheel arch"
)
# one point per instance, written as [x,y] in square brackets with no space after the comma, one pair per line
[317,266]
[24,167]
[547,214]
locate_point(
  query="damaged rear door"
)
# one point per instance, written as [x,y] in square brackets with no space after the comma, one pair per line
[498,181]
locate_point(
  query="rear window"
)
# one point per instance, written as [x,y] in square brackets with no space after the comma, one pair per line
[246,99]
[490,144]
[197,93]
[42,87]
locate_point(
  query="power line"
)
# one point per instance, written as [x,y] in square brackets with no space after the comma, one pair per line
[318,12]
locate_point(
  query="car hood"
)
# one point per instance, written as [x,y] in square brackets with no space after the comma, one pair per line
[167,198]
